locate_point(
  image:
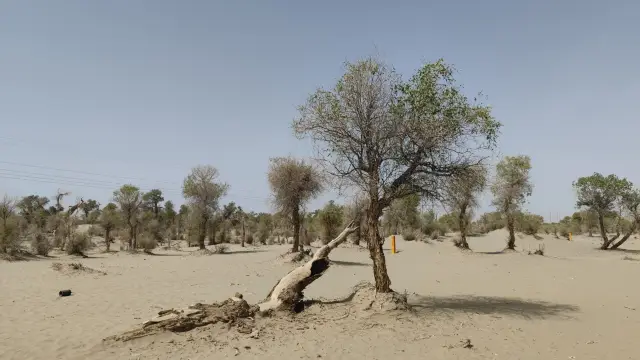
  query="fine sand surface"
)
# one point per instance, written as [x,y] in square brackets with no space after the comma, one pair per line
[575,302]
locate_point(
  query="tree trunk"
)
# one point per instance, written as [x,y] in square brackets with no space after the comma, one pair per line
[287,293]
[626,236]
[203,232]
[295,219]
[462,223]
[212,233]
[131,235]
[511,244]
[243,232]
[107,233]
[603,232]
[383,283]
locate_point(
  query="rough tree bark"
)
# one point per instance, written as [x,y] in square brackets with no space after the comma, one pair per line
[383,283]
[511,244]
[287,293]
[243,232]
[107,238]
[626,236]
[462,222]
[606,242]
[203,232]
[296,229]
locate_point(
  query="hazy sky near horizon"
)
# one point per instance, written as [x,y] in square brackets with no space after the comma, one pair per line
[141,91]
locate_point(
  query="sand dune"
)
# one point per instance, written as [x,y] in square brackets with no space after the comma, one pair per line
[575,302]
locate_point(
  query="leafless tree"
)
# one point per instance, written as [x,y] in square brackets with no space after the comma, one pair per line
[203,191]
[461,197]
[293,183]
[392,138]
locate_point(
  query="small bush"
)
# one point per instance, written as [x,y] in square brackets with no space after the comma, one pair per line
[457,242]
[221,249]
[9,237]
[222,237]
[409,235]
[435,234]
[147,242]
[539,251]
[563,231]
[95,230]
[40,243]
[78,244]
[270,240]
[435,227]
[249,239]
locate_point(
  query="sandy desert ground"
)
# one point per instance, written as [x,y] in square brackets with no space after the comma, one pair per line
[575,302]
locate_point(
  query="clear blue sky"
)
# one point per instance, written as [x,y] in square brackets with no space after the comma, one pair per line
[148,89]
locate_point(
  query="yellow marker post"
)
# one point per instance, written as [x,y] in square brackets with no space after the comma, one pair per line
[393,244]
[570,237]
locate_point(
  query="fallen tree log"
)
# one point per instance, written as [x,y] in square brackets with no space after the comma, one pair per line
[287,294]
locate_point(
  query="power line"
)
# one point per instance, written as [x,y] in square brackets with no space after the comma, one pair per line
[88,183]
[83,172]
[13,172]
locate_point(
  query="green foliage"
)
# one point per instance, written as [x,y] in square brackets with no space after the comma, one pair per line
[490,221]
[203,191]
[78,244]
[39,242]
[450,221]
[9,235]
[513,184]
[95,231]
[32,209]
[402,215]
[88,207]
[600,193]
[152,200]
[330,218]
[529,224]
[430,226]
[148,241]
[409,235]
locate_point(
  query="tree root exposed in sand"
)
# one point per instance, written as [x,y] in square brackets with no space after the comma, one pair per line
[233,311]
[286,295]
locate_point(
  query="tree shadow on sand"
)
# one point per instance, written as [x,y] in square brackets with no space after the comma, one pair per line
[349,263]
[247,251]
[486,305]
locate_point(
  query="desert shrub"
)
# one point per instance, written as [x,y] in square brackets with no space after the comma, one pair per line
[95,230]
[435,234]
[39,242]
[78,244]
[458,242]
[156,230]
[563,230]
[222,236]
[270,240]
[434,227]
[529,224]
[249,239]
[221,249]
[147,242]
[539,251]
[9,236]
[262,237]
[409,235]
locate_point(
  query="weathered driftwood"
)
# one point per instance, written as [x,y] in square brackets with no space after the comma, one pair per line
[234,311]
[287,293]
